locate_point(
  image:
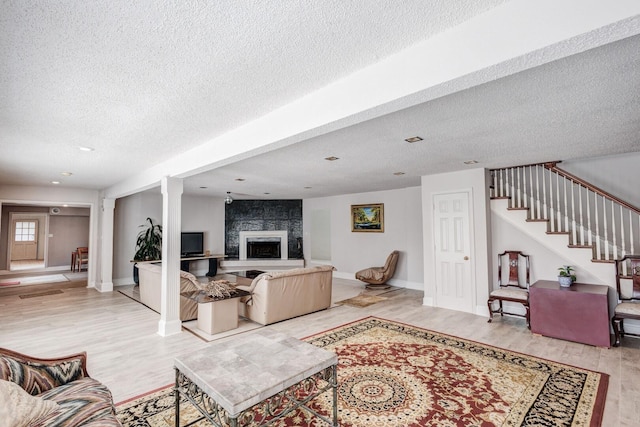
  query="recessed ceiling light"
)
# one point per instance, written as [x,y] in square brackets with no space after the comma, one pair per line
[66,173]
[65,206]
[240,179]
[331,158]
[266,193]
[86,149]
[307,188]
[398,173]
[413,139]
[55,182]
[203,187]
[470,162]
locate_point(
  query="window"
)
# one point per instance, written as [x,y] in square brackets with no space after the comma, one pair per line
[25,231]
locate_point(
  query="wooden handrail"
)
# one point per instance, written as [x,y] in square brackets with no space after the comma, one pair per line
[552,167]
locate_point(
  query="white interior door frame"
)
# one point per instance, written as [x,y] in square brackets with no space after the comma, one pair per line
[469,302]
[43,239]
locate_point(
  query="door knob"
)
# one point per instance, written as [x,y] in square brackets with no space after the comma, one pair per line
[466,258]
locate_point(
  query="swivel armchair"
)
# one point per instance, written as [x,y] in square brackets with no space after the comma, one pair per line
[376,277]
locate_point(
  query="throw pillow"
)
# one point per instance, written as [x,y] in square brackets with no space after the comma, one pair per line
[19,408]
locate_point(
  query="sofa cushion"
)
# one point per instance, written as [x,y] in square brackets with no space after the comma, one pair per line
[297,271]
[79,402]
[19,408]
[35,377]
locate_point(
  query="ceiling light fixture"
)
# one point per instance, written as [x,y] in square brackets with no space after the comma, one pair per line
[470,162]
[413,139]
[228,200]
[240,179]
[86,149]
[55,182]
[331,158]
[66,173]
[203,188]
[398,173]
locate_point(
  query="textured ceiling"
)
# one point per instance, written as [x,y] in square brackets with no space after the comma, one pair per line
[143,81]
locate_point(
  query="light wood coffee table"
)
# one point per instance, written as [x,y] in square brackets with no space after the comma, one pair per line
[230,378]
[216,315]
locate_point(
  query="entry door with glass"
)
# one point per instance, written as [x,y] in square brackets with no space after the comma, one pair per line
[25,240]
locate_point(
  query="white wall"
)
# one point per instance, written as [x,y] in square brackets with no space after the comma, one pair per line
[476,181]
[617,174]
[353,251]
[544,262]
[56,196]
[198,214]
[204,214]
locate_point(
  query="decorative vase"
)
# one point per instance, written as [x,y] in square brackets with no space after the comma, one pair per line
[565,281]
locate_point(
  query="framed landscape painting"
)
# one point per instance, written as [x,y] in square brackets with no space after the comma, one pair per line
[368,218]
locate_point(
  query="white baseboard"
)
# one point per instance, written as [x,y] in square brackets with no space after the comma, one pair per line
[428,301]
[105,287]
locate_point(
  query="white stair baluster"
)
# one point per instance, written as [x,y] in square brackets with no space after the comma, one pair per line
[613,231]
[581,215]
[606,229]
[622,243]
[595,211]
[538,215]
[589,230]
[552,222]
[573,215]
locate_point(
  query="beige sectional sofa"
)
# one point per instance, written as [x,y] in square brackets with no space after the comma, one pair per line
[150,288]
[285,294]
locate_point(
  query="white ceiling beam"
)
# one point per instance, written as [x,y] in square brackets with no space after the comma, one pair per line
[513,37]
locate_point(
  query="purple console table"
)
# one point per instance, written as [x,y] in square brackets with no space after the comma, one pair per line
[578,313]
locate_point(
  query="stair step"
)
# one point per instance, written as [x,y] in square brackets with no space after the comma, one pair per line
[537,220]
[558,232]
[517,209]
[605,261]
[500,198]
[581,246]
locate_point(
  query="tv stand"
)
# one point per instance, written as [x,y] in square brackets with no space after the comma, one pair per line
[213,262]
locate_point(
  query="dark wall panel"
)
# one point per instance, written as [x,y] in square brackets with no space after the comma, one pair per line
[261,215]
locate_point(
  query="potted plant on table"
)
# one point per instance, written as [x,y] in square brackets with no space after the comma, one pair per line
[566,276]
[148,245]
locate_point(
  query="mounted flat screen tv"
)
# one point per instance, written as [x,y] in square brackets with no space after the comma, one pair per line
[192,243]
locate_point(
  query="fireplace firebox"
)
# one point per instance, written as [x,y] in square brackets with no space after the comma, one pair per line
[263,248]
[264,242]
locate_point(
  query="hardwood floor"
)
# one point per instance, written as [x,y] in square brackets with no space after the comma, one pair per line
[126,354]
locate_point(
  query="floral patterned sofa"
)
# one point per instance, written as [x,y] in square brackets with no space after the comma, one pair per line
[52,392]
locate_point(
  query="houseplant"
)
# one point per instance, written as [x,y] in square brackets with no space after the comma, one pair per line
[148,246]
[566,276]
[149,242]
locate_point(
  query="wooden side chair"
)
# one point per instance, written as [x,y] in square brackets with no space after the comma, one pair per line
[515,288]
[627,269]
[82,257]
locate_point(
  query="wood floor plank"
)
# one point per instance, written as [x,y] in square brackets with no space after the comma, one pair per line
[127,354]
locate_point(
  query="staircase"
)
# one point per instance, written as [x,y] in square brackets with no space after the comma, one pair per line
[568,215]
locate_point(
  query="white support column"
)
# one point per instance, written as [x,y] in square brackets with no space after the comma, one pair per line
[106,247]
[170,323]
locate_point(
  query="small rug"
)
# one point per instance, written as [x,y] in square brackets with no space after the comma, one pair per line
[393,374]
[41,294]
[34,280]
[362,300]
[244,325]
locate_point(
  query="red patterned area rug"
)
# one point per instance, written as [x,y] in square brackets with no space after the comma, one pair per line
[393,374]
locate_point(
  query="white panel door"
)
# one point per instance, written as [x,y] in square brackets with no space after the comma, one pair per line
[453,251]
